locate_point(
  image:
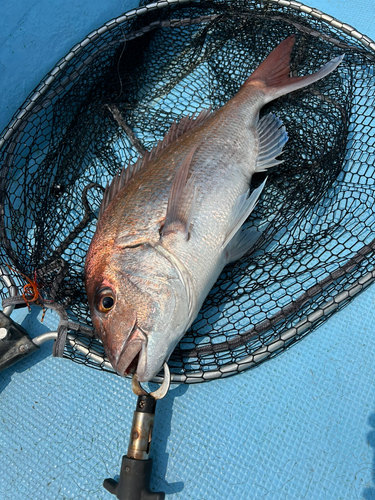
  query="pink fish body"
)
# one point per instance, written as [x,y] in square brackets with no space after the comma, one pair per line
[171,222]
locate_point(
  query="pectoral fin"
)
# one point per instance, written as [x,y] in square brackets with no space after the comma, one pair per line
[181,200]
[243,207]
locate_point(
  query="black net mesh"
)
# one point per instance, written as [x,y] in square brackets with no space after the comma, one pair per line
[117,93]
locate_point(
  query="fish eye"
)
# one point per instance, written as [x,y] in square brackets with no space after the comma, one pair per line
[105,300]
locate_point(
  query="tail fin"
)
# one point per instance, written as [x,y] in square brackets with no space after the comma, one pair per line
[273,72]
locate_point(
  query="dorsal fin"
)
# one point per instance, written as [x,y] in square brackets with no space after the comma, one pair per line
[177,129]
[272,138]
[117,183]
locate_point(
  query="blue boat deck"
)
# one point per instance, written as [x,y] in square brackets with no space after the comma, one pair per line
[300,426]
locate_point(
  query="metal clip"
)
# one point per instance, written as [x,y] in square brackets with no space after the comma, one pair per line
[159,393]
[136,465]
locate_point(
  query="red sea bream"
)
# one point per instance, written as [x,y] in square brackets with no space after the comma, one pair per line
[170,223]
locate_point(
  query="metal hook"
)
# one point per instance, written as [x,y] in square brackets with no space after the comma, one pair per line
[159,393]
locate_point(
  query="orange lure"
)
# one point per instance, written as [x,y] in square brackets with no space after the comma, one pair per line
[30,291]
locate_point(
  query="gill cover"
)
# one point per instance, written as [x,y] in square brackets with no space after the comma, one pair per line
[139,310]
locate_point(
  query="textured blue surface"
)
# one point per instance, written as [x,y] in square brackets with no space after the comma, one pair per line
[301,426]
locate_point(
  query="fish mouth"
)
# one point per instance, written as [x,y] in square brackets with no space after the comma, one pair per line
[132,354]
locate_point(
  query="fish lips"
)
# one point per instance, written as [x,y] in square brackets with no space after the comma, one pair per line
[133,355]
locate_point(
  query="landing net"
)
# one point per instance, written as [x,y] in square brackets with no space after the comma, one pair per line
[116,94]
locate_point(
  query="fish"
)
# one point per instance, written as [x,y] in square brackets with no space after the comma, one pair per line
[169,223]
